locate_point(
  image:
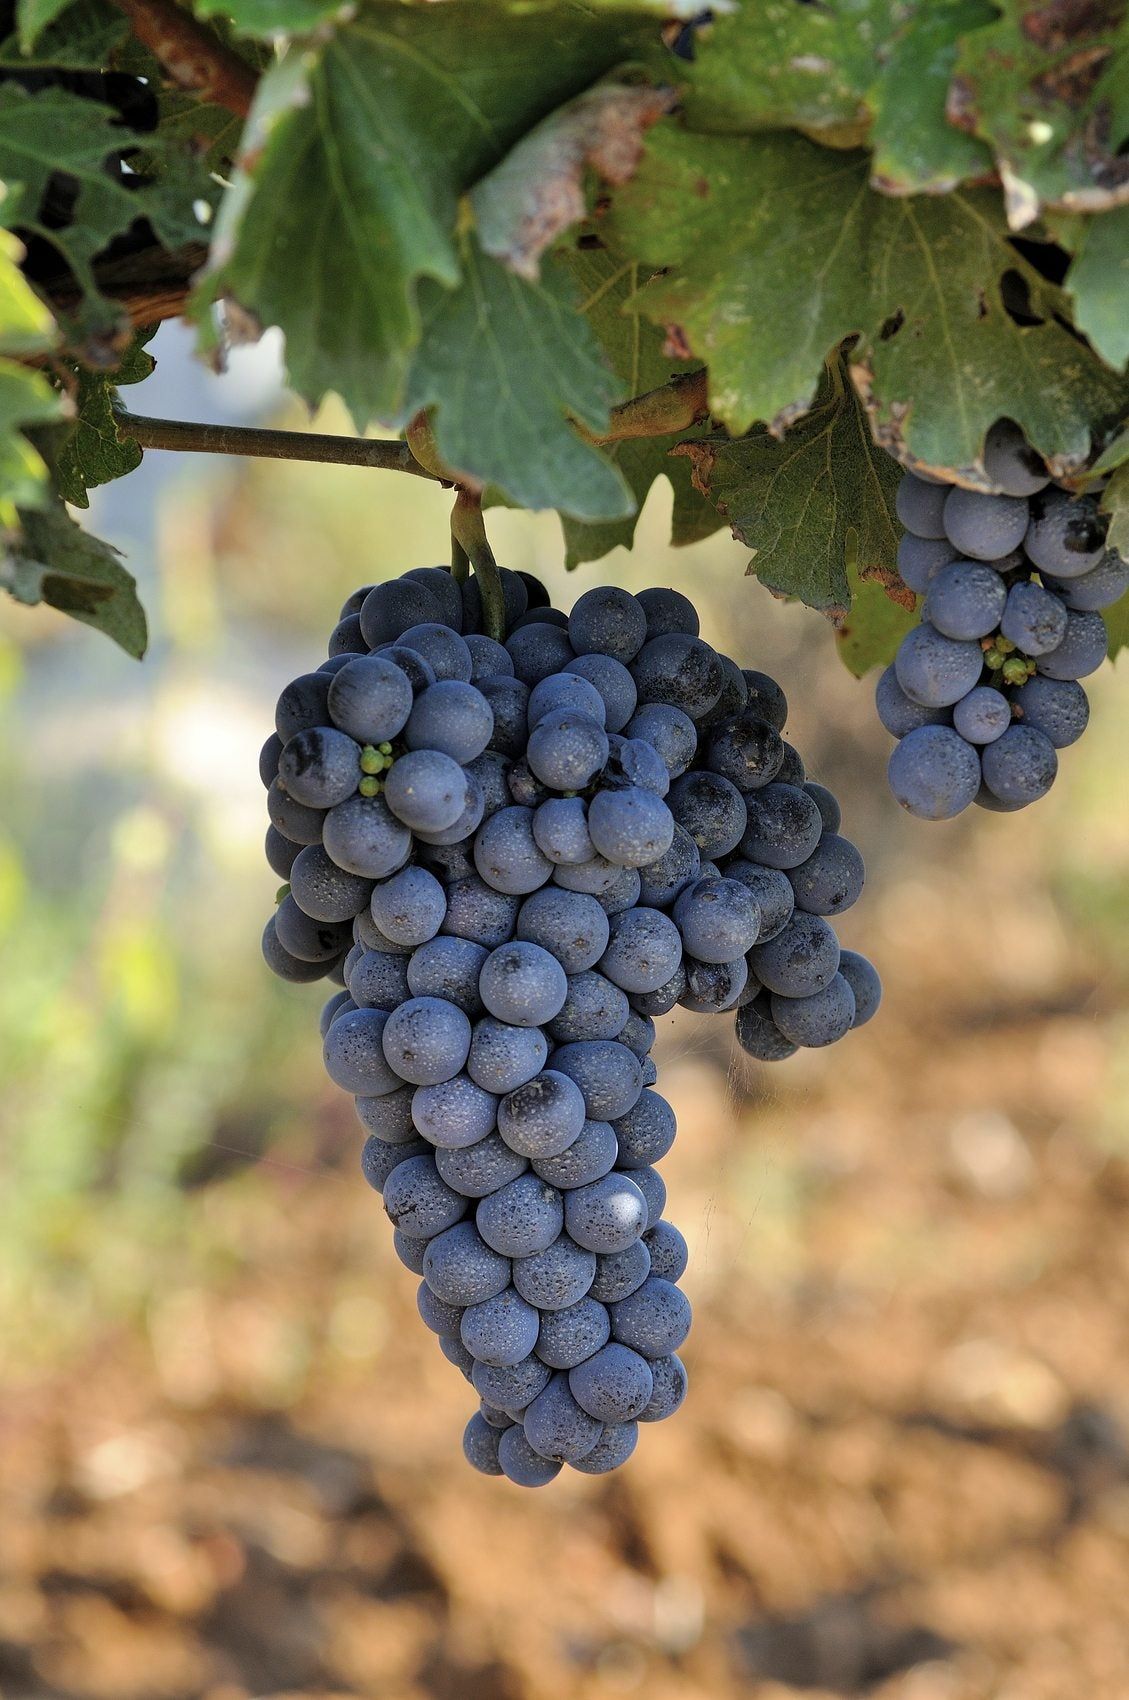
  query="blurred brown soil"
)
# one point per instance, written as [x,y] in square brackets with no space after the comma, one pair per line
[902,1470]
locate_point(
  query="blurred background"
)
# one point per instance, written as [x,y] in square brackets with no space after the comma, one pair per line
[230,1456]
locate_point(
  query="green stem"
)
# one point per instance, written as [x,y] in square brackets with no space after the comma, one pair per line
[469,533]
[460,561]
[264,444]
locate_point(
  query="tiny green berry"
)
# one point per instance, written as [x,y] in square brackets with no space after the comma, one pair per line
[371,760]
[993,658]
[1004,645]
[1016,670]
[385,749]
[370,786]
[282,894]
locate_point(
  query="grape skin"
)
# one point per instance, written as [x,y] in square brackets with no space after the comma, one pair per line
[934,773]
[934,670]
[1021,766]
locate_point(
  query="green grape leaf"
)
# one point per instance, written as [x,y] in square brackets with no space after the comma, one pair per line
[26,325]
[93,453]
[1098,280]
[915,146]
[538,191]
[815,505]
[1047,87]
[362,167]
[53,560]
[507,363]
[34,16]
[26,397]
[53,131]
[634,349]
[772,250]
[1115,503]
[1117,623]
[77,37]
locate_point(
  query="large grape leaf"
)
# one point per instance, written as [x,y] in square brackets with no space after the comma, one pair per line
[915,147]
[93,453]
[26,398]
[76,37]
[768,65]
[53,131]
[773,249]
[507,363]
[635,350]
[1098,279]
[1047,86]
[815,506]
[53,560]
[357,185]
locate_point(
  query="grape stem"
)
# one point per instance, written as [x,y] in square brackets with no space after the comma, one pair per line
[258,442]
[469,534]
[194,57]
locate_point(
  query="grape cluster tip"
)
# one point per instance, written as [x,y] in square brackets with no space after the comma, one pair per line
[513,857]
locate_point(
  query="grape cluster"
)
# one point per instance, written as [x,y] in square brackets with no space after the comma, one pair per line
[985,691]
[513,857]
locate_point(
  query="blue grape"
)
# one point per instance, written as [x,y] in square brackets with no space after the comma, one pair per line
[644,950]
[670,732]
[1084,647]
[370,699]
[862,977]
[1011,463]
[783,826]
[1066,535]
[770,890]
[306,938]
[522,984]
[792,770]
[453,717]
[281,962]
[435,1313]
[933,773]
[409,1251]
[521,1218]
[919,558]
[934,670]
[488,658]
[503,1057]
[324,891]
[560,830]
[333,1007]
[653,1188]
[364,837]
[541,615]
[712,987]
[418,1201]
[478,1169]
[662,880]
[569,924]
[320,767]
[524,786]
[354,1054]
[663,999]
[454,1113]
[614,683]
[389,1116]
[481,1444]
[303,704]
[570,1335]
[594,1008]
[654,1319]
[982,716]
[825,801]
[984,528]
[1021,766]
[426,1041]
[608,1215]
[511,1387]
[567,749]
[898,713]
[461,1268]
[281,852]
[557,1277]
[537,650]
[490,771]
[680,671]
[668,610]
[1100,588]
[669,1376]
[746,750]
[1058,708]
[718,919]
[445,589]
[410,907]
[444,650]
[521,1464]
[426,789]
[347,638]
[613,1448]
[607,621]
[418,672]
[630,827]
[765,698]
[390,609]
[479,912]
[965,600]
[379,980]
[633,761]
[759,1036]
[567,690]
[712,811]
[621,1272]
[608,1075]
[614,1385]
[821,1019]
[669,1251]
[380,1157]
[591,1155]
[556,1426]
[920,505]
[506,853]
[447,967]
[620,893]
[645,1133]
[501,1330]
[542,1117]
[334,663]
[831,879]
[509,702]
[800,960]
[1033,620]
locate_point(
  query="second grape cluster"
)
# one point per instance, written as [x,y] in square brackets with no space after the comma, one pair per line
[985,690]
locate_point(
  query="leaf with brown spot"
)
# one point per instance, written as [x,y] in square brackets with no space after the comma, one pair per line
[537,192]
